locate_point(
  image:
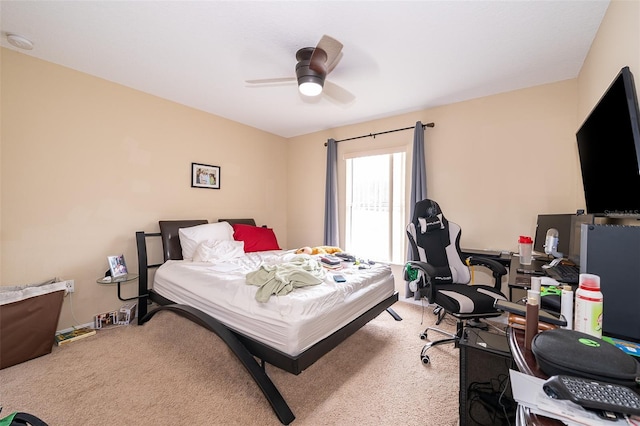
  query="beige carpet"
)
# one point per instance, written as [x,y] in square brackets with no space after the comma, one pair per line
[173,372]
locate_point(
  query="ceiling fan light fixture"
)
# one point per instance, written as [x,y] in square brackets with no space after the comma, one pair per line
[310,85]
[310,89]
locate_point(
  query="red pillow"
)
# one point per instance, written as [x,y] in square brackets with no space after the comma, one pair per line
[255,238]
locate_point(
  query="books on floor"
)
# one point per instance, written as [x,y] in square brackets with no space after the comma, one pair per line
[73,335]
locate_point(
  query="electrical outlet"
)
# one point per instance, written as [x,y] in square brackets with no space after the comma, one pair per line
[71,286]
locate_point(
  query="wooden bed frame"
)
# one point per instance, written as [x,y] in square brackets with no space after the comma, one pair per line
[245,348]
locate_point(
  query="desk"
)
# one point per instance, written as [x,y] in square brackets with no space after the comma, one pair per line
[526,363]
[504,258]
[522,281]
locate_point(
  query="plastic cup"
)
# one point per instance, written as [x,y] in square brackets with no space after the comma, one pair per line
[526,253]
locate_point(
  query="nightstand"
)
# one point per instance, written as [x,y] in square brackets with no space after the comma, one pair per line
[118,281]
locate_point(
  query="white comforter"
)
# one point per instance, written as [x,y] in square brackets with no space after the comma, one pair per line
[290,323]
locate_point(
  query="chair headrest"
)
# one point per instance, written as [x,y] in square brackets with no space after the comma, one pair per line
[432,223]
[428,215]
[431,208]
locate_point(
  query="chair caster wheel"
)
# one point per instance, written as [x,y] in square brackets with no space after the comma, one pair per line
[423,336]
[425,359]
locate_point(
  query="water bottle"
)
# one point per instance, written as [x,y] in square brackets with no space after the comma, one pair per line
[588,311]
[566,306]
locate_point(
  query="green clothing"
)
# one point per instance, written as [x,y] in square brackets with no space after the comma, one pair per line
[282,278]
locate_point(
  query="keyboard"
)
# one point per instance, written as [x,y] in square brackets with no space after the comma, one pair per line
[564,273]
[593,394]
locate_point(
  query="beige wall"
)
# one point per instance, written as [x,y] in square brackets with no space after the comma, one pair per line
[493,163]
[86,163]
[617,44]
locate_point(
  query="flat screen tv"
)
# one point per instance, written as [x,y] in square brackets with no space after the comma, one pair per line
[609,149]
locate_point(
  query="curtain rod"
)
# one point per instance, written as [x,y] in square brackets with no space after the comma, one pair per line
[373,135]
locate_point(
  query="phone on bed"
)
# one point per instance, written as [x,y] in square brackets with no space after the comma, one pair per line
[516,308]
[339,278]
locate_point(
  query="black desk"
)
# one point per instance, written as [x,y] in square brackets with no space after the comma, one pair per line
[503,257]
[519,280]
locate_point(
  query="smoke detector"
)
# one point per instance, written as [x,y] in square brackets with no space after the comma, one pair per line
[19,41]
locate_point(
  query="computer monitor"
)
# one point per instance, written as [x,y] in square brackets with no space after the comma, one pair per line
[609,151]
[561,222]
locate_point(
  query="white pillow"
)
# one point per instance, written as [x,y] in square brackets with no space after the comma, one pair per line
[218,250]
[191,237]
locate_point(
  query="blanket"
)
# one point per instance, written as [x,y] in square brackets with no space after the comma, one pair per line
[280,279]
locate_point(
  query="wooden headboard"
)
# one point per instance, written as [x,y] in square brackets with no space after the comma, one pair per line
[171,248]
[240,221]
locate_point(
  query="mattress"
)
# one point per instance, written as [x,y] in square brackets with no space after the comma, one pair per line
[290,323]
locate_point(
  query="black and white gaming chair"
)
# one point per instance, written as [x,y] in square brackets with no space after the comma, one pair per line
[442,276]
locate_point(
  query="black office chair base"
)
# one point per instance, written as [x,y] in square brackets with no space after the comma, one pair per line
[451,338]
[423,335]
[423,354]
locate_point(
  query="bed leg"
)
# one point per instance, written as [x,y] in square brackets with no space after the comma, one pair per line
[273,395]
[394,314]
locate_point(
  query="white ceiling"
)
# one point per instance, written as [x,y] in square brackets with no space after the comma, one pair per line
[399,56]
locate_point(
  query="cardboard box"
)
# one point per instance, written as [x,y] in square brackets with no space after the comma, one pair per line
[127,314]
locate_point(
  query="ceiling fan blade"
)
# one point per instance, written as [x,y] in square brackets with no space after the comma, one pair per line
[271,80]
[331,46]
[334,63]
[338,93]
[325,53]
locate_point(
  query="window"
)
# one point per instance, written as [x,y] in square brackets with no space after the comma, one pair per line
[375,211]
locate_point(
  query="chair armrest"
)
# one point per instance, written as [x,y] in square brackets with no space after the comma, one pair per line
[428,272]
[497,269]
[425,267]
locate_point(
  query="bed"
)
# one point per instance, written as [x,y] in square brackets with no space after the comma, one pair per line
[289,331]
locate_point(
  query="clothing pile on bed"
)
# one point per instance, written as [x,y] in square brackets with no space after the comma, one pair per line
[282,278]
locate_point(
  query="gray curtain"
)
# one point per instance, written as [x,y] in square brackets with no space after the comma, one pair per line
[418,182]
[331,234]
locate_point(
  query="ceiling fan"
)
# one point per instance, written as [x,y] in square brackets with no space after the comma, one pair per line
[314,64]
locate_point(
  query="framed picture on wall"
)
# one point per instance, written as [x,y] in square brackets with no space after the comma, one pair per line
[205,176]
[117,266]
